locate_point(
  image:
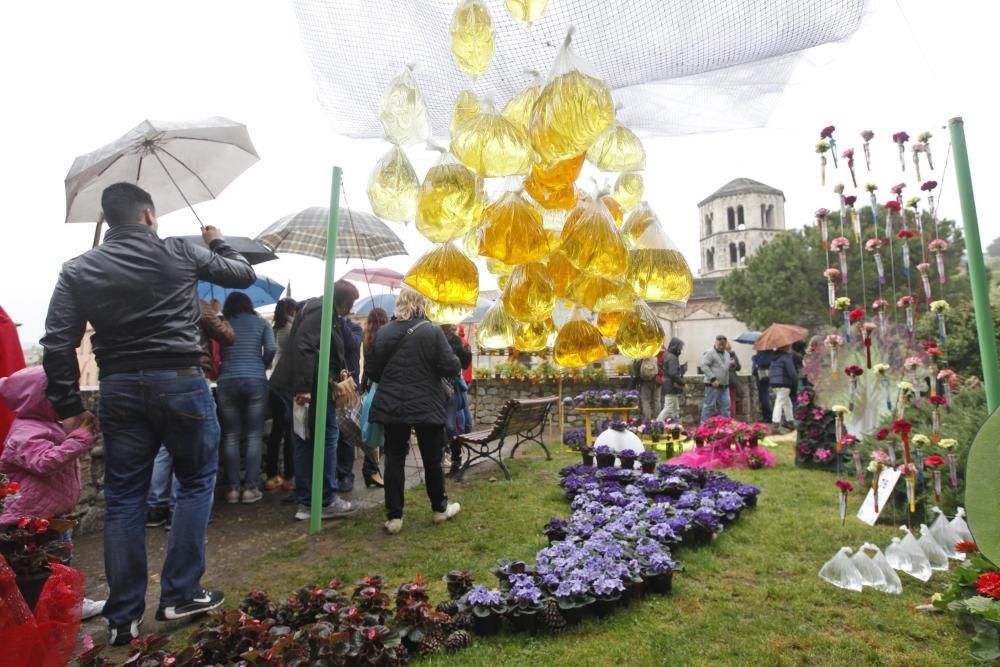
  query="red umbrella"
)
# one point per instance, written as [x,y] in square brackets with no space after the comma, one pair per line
[780,335]
[376,276]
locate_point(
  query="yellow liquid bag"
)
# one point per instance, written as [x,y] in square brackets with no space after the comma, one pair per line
[578,343]
[466,108]
[512,231]
[451,201]
[393,187]
[562,272]
[403,113]
[614,208]
[657,271]
[472,37]
[534,336]
[518,108]
[526,11]
[496,331]
[593,243]
[447,313]
[530,295]
[640,334]
[608,323]
[629,190]
[498,268]
[491,145]
[598,294]
[573,109]
[446,276]
[617,149]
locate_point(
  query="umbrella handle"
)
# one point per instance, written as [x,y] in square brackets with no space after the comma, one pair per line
[97,230]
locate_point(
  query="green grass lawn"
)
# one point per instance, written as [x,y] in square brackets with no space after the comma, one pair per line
[752,598]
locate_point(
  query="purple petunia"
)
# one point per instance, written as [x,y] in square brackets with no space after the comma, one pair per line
[480,596]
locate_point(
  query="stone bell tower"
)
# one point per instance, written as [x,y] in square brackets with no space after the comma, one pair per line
[735,221]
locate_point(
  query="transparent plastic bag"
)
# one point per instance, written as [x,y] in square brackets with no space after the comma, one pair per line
[393,187]
[447,313]
[466,108]
[526,11]
[614,209]
[592,242]
[446,276]
[534,336]
[563,273]
[920,567]
[553,185]
[960,528]
[530,295]
[496,331]
[936,556]
[608,323]
[629,188]
[892,583]
[598,294]
[518,108]
[512,231]
[871,575]
[403,113]
[617,149]
[944,536]
[451,201]
[472,40]
[841,572]
[573,109]
[578,343]
[640,335]
[491,145]
[657,271]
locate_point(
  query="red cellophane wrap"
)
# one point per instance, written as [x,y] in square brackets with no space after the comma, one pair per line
[47,638]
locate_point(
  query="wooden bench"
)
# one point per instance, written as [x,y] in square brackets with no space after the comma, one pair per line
[524,419]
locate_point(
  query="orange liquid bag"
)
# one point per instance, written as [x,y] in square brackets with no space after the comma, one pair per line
[512,231]
[496,331]
[629,190]
[640,334]
[451,201]
[562,272]
[529,295]
[598,294]
[472,42]
[592,242]
[552,186]
[657,271]
[446,276]
[614,209]
[577,344]
[491,145]
[534,336]
[444,313]
[617,149]
[393,187]
[608,323]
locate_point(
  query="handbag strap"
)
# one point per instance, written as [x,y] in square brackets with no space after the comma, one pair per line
[400,345]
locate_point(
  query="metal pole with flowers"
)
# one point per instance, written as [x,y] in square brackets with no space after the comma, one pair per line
[857,316]
[900,139]
[935,462]
[853,372]
[947,377]
[879,460]
[904,397]
[849,156]
[948,444]
[925,139]
[866,137]
[880,306]
[832,276]
[852,212]
[902,428]
[936,403]
[841,412]
[867,329]
[841,245]
[917,148]
[827,134]
[938,247]
[928,187]
[939,308]
[845,488]
[821,149]
[906,303]
[882,373]
[912,365]
[843,304]
[925,280]
[874,246]
[905,235]
[824,231]
[832,342]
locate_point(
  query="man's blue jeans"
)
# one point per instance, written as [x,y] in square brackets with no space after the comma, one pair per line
[242,409]
[716,402]
[161,492]
[138,411]
[304,458]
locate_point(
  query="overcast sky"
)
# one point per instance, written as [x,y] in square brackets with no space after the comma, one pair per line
[77,75]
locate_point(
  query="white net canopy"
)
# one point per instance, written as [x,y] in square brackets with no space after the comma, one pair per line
[676,67]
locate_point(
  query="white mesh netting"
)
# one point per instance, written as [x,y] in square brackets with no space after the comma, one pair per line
[677,67]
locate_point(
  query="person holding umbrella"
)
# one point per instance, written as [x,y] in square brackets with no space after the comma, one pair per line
[138,293]
[783,378]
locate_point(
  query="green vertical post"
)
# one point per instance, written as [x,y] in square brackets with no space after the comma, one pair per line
[323,372]
[977,269]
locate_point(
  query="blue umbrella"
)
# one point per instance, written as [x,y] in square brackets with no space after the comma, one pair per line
[386,302]
[264,292]
[747,337]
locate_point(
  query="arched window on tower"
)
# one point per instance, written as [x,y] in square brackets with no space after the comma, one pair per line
[733,259]
[710,259]
[731,218]
[708,224]
[743,253]
[740,222]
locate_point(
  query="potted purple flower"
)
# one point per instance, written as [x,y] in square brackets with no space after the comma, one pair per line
[657,568]
[605,456]
[648,462]
[555,529]
[524,602]
[627,458]
[487,607]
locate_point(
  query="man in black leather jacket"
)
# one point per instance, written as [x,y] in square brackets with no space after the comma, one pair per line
[139,292]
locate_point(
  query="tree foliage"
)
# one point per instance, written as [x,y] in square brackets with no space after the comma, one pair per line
[783,281]
[993,250]
[961,345]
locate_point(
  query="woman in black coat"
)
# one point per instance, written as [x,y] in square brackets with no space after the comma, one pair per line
[410,358]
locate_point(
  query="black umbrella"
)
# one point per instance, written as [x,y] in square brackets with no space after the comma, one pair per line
[253,250]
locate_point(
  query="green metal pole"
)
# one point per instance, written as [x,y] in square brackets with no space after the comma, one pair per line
[977,269]
[323,372]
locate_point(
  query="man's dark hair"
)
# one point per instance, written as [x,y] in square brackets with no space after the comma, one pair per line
[123,203]
[721,337]
[344,293]
[237,303]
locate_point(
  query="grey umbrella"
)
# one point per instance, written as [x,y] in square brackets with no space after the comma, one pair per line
[359,235]
[253,250]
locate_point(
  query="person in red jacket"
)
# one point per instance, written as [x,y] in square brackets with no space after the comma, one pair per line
[11,361]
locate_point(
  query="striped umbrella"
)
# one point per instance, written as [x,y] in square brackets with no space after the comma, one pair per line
[359,235]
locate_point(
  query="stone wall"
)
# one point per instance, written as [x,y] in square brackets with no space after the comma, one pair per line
[90,511]
[488,396]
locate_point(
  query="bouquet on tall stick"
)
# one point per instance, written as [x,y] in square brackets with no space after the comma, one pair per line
[939,308]
[821,221]
[866,137]
[874,246]
[928,187]
[827,135]
[917,148]
[900,139]
[925,139]
[845,488]
[841,245]
[906,303]
[881,306]
[849,202]
[832,276]
[925,280]
[822,148]
[849,156]
[937,248]
[843,304]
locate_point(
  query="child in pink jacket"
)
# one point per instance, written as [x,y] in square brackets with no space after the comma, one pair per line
[40,456]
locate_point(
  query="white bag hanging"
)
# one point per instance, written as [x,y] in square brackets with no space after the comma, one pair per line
[892,583]
[960,528]
[300,420]
[920,567]
[945,537]
[936,556]
[871,575]
[841,571]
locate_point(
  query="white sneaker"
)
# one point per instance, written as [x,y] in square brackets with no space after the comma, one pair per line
[91,608]
[233,496]
[251,496]
[302,513]
[450,512]
[339,509]
[393,526]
